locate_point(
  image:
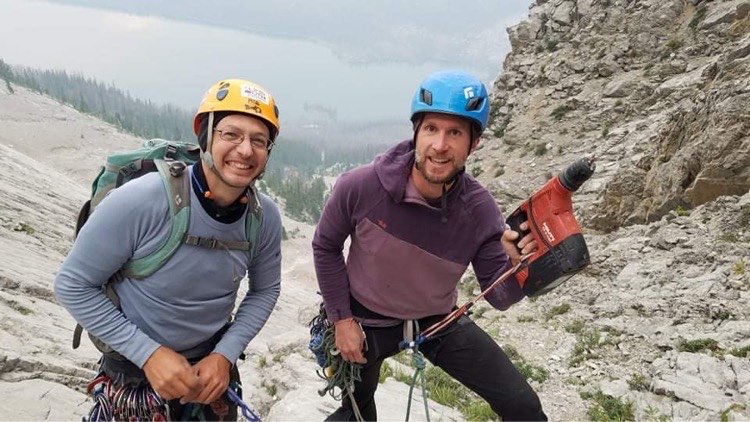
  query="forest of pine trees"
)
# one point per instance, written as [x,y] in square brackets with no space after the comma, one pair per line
[294,172]
[87,95]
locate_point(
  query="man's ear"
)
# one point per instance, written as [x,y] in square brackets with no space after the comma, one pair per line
[474,145]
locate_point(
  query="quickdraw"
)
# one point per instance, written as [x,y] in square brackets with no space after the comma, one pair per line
[124,403]
[144,404]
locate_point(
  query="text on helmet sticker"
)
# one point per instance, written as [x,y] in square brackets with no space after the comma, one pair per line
[254,93]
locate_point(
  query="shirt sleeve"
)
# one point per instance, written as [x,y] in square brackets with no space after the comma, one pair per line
[264,275]
[491,261]
[116,228]
[335,225]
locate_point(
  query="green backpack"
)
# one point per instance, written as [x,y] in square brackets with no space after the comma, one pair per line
[170,159]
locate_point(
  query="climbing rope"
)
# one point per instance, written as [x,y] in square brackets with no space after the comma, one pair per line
[233,392]
[419,363]
[413,342]
[456,314]
[339,374]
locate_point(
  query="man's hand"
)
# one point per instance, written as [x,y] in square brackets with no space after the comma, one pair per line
[213,371]
[170,374]
[527,244]
[350,340]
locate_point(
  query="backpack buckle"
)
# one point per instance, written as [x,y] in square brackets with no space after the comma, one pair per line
[170,152]
[177,168]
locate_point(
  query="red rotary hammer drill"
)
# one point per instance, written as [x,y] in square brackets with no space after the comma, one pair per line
[562,250]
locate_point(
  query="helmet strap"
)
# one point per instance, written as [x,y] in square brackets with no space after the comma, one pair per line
[206,155]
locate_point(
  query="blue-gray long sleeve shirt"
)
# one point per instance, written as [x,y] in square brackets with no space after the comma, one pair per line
[190,298]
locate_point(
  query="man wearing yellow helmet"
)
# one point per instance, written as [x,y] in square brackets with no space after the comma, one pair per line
[171,327]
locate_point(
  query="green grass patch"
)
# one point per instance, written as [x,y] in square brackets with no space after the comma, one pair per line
[698,345]
[575,327]
[560,111]
[606,408]
[447,391]
[586,344]
[532,372]
[638,382]
[525,318]
[528,370]
[724,417]
[652,414]
[729,237]
[540,149]
[561,309]
[388,371]
[479,410]
[674,43]
[24,227]
[739,267]
[740,352]
[682,212]
[698,16]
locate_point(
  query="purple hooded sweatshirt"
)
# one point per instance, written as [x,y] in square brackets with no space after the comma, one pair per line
[407,256]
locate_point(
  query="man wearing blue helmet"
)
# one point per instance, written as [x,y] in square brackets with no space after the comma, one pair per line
[416,221]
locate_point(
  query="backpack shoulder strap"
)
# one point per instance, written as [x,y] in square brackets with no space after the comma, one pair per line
[253,221]
[173,174]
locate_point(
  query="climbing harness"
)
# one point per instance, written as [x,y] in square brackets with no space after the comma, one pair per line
[337,372]
[412,340]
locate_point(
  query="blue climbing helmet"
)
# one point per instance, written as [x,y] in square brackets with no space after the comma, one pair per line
[453,92]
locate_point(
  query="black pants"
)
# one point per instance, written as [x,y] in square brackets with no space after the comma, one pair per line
[465,352]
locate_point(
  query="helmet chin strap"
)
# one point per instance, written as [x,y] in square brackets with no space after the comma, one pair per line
[206,156]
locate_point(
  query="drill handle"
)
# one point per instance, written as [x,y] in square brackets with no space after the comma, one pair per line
[514,223]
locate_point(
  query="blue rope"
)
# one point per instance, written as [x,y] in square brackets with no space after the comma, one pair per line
[247,412]
[418,361]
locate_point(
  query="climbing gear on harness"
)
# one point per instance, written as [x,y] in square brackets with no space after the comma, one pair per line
[562,249]
[113,401]
[169,159]
[140,403]
[338,373]
[453,92]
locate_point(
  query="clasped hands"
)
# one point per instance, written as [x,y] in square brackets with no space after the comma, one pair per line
[172,376]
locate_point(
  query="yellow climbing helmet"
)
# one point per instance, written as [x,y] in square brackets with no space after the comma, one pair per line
[241,96]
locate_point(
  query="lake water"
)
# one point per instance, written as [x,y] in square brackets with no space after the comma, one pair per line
[174,62]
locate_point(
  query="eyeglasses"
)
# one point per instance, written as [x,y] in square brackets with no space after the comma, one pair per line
[256,141]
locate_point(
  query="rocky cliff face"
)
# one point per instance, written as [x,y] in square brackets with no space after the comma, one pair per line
[659,92]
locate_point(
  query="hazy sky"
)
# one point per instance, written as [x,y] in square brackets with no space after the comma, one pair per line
[362,59]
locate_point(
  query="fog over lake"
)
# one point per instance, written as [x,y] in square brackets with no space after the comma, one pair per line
[342,60]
